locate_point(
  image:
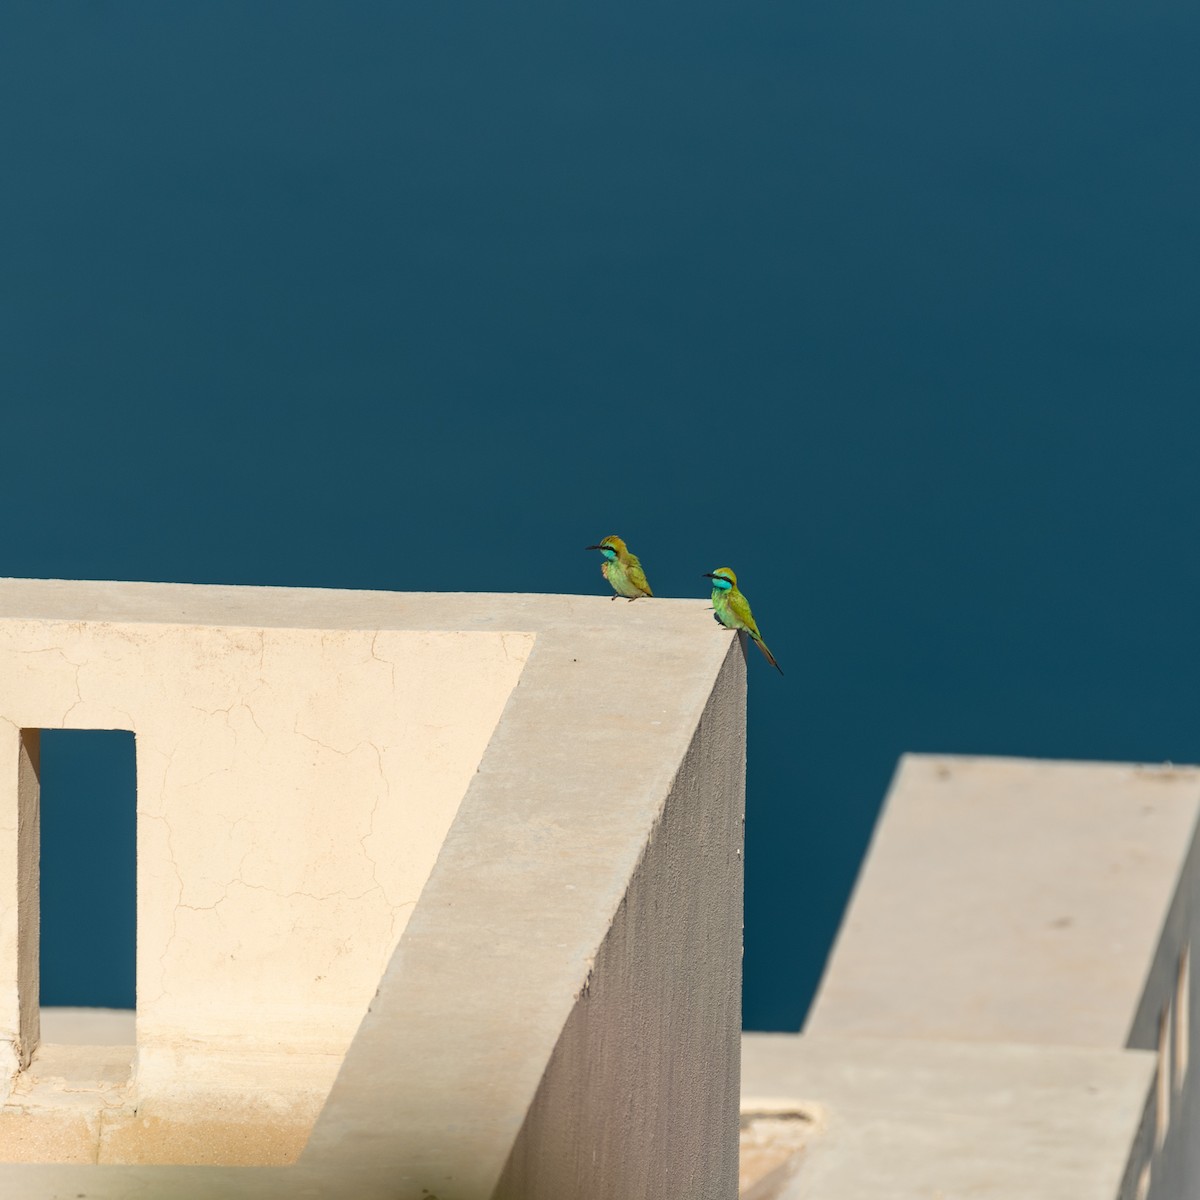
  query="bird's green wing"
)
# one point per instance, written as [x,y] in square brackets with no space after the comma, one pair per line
[739,608]
[633,569]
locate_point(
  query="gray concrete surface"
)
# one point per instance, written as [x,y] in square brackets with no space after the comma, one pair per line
[89,1026]
[1008,1009]
[919,1120]
[1011,900]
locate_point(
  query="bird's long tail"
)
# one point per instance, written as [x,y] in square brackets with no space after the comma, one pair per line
[767,654]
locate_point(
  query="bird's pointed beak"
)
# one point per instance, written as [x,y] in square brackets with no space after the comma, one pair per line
[708,575]
[593,547]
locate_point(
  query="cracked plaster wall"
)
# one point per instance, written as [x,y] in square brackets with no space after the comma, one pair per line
[294,788]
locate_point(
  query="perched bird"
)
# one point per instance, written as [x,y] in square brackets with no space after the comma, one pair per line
[622,569]
[732,609]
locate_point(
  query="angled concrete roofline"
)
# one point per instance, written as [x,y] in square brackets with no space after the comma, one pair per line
[913,1118]
[589,882]
[1010,899]
[1008,1009]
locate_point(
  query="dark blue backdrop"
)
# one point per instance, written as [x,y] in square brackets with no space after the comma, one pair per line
[890,307]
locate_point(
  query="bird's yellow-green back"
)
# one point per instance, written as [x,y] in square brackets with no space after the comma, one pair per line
[732,609]
[622,568]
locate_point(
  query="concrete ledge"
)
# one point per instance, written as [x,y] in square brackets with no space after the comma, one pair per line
[1008,1010]
[911,1120]
[586,891]
[657,1019]
[1012,900]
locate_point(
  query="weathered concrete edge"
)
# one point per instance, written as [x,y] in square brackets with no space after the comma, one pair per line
[1159,950]
[437,1084]
[658,1023]
[255,607]
[865,1082]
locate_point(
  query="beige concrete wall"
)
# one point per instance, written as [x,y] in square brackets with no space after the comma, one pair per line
[1009,1007]
[582,806]
[537,875]
[294,787]
[657,1024]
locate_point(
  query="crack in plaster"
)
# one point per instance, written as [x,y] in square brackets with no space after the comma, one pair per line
[54,650]
[78,667]
[236,948]
[402,909]
[161,816]
[147,803]
[162,958]
[318,897]
[253,718]
[371,824]
[399,912]
[379,658]
[195,783]
[214,908]
[509,656]
[325,745]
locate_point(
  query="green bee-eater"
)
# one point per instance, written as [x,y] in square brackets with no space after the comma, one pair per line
[732,609]
[622,569]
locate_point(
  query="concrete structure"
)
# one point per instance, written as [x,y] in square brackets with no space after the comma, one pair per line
[1008,1009]
[439,897]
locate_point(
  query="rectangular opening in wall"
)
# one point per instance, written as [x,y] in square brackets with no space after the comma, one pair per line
[88,884]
